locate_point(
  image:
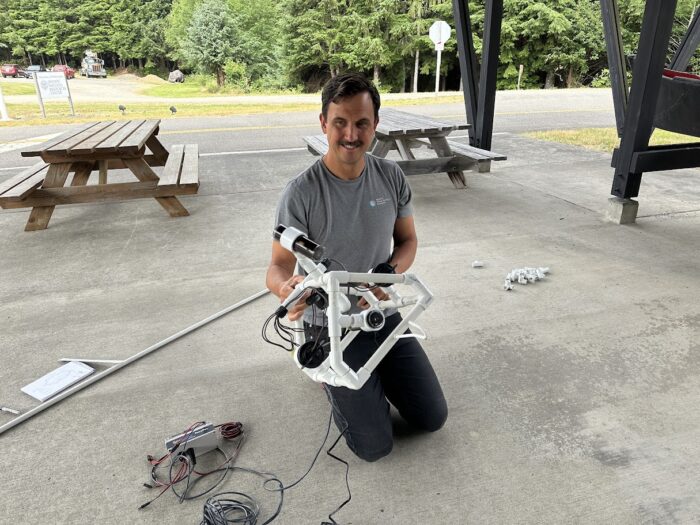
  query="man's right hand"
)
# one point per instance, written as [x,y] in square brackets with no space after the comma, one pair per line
[296,310]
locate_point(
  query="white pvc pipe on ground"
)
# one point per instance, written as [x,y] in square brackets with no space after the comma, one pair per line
[93,379]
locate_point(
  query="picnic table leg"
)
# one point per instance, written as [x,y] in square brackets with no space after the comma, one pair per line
[381,148]
[158,150]
[103,164]
[41,215]
[82,174]
[405,150]
[144,173]
[442,149]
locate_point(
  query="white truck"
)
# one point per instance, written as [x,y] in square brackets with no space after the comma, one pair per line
[91,66]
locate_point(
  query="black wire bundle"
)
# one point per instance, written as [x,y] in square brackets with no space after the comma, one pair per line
[237,507]
[230,507]
[284,332]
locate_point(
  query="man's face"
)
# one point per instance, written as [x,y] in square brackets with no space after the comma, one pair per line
[349,127]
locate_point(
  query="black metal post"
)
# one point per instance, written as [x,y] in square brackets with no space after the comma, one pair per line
[616,60]
[489,73]
[468,65]
[688,45]
[646,82]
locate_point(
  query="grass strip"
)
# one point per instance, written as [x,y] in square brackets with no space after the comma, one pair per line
[604,139]
[59,112]
[9,89]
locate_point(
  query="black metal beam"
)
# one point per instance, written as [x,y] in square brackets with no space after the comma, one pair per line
[662,158]
[616,60]
[468,65]
[489,74]
[646,82]
[676,157]
[688,45]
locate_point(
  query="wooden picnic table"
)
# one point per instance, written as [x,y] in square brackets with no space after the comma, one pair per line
[102,147]
[403,131]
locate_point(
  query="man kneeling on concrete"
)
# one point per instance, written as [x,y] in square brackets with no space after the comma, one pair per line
[355,205]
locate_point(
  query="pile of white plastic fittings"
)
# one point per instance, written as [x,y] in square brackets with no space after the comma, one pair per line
[524,276]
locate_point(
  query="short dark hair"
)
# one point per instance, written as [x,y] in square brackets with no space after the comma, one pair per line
[345,86]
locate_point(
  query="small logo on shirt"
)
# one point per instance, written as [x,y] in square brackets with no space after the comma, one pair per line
[379,201]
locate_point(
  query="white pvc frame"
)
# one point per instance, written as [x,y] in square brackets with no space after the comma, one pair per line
[334,371]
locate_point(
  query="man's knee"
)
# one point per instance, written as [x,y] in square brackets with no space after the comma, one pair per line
[435,419]
[372,455]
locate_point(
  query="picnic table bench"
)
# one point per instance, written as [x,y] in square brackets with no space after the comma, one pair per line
[101,147]
[404,132]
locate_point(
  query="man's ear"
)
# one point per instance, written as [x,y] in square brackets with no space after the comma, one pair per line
[323,122]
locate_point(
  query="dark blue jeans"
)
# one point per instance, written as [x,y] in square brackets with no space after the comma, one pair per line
[404,378]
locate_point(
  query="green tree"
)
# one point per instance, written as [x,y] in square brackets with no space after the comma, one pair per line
[178,20]
[259,30]
[22,30]
[370,24]
[314,40]
[139,30]
[209,38]
[410,30]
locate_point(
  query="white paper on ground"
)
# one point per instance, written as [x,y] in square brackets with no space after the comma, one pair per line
[57,380]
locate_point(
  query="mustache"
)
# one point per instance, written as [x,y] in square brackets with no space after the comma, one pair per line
[356,143]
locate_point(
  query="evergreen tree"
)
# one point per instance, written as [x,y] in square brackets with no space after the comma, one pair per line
[259,29]
[177,22]
[315,41]
[209,38]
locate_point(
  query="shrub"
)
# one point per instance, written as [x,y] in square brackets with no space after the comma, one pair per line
[236,75]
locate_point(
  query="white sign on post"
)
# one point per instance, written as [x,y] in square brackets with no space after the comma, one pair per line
[439,33]
[52,86]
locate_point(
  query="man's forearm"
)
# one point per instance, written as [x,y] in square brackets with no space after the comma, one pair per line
[403,256]
[276,277]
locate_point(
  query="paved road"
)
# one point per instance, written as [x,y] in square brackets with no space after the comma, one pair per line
[516,112]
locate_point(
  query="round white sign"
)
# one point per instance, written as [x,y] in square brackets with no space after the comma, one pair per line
[440,32]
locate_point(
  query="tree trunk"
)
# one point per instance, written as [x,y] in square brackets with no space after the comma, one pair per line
[140,64]
[376,75]
[570,79]
[549,80]
[220,77]
[415,72]
[43,61]
[29,56]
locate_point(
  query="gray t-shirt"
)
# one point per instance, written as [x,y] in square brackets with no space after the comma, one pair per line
[354,220]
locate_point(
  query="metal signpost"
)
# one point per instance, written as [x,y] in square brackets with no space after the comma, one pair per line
[3,108]
[52,86]
[439,33]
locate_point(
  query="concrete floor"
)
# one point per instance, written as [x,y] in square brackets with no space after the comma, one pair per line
[572,400]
